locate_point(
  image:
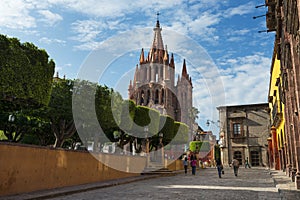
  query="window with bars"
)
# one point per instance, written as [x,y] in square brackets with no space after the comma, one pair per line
[236,129]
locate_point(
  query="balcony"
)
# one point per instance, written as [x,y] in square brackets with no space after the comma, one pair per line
[276,115]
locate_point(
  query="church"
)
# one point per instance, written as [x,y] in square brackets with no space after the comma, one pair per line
[154,80]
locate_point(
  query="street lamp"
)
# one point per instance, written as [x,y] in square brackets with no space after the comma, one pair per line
[11,118]
[213,122]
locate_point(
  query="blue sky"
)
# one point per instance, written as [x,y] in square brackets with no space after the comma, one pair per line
[228,60]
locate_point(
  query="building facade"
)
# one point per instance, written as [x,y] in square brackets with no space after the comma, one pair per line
[244,130]
[283,18]
[277,142]
[154,86]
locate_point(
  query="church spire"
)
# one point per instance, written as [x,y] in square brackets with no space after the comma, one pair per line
[172,63]
[184,71]
[142,58]
[157,41]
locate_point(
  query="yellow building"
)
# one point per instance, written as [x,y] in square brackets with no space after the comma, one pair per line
[277,142]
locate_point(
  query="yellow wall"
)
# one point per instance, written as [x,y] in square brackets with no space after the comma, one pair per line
[27,168]
[276,73]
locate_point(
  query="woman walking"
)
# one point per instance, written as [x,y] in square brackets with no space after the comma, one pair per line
[219,167]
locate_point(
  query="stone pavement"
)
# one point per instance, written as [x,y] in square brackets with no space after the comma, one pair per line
[254,183]
[284,185]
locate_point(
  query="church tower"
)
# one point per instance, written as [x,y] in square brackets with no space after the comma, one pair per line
[154,86]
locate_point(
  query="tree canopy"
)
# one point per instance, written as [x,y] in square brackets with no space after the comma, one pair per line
[25,75]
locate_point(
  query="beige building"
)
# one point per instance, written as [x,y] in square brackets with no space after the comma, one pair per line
[244,130]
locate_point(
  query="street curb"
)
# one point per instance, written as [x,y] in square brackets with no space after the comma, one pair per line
[56,192]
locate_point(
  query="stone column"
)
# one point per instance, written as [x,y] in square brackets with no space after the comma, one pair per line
[275,148]
[270,152]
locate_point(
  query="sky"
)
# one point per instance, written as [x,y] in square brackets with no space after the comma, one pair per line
[100,40]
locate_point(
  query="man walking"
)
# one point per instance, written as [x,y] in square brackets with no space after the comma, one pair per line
[235,163]
[247,163]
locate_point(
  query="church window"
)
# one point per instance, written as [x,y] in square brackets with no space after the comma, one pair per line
[142,100]
[162,96]
[156,97]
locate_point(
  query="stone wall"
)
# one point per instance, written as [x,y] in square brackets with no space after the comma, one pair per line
[27,168]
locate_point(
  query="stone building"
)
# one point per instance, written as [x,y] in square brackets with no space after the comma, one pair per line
[154,86]
[283,18]
[244,130]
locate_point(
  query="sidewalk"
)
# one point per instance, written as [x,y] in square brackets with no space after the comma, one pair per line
[281,183]
[45,194]
[285,186]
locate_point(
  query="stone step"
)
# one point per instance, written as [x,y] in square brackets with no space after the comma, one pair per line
[155,171]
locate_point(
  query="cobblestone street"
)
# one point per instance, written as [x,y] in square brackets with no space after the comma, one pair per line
[254,183]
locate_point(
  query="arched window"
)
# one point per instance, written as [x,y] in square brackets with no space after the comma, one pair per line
[162,96]
[156,96]
[148,97]
[142,100]
[238,155]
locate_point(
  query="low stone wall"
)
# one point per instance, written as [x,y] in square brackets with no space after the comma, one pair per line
[175,165]
[27,168]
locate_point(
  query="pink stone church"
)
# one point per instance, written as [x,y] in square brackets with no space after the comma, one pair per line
[154,85]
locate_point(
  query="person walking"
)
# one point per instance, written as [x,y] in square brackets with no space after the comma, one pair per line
[219,167]
[235,163]
[185,165]
[194,164]
[247,163]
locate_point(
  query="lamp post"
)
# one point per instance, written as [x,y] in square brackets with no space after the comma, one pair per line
[146,129]
[161,135]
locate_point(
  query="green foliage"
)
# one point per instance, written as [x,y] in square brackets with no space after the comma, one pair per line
[60,105]
[200,146]
[108,110]
[181,131]
[166,126]
[60,111]
[25,74]
[141,120]
[125,121]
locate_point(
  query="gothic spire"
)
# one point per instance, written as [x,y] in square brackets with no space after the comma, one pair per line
[142,58]
[184,71]
[172,63]
[157,41]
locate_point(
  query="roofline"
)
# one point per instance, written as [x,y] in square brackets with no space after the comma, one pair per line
[244,105]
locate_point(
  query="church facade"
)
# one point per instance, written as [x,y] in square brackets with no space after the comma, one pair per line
[154,80]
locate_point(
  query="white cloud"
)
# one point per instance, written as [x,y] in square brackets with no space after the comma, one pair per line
[247,79]
[16,14]
[240,10]
[87,30]
[50,17]
[51,41]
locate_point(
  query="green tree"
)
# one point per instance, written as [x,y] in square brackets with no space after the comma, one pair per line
[25,75]
[193,114]
[60,111]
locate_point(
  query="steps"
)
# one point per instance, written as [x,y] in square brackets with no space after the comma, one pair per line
[155,168]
